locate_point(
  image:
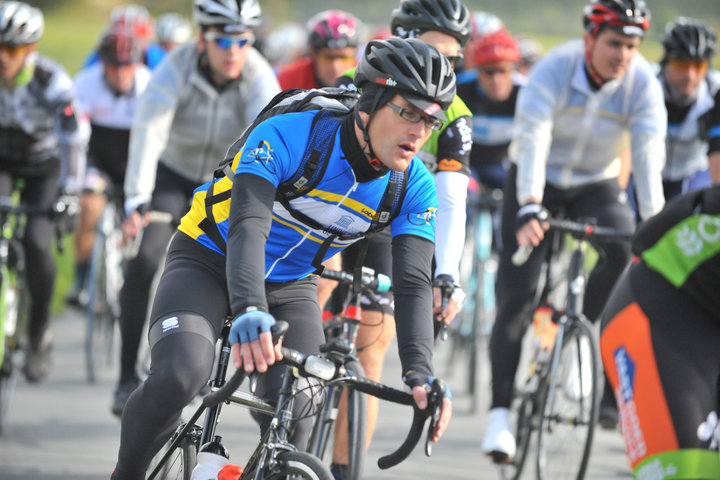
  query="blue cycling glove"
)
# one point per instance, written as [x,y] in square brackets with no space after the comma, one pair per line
[247,327]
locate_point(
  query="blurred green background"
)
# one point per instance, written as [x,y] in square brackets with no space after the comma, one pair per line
[73,27]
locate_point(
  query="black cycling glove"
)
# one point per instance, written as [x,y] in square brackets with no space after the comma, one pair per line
[530,211]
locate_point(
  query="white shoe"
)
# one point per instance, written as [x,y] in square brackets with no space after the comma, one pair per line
[499,440]
[578,381]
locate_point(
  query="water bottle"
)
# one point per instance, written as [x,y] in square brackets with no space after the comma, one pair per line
[544,331]
[211,457]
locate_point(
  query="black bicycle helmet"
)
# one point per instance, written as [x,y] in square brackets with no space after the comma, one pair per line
[629,17]
[414,17]
[689,39]
[422,74]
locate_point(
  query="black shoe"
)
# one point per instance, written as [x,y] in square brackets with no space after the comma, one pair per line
[122,393]
[608,417]
[38,359]
[339,471]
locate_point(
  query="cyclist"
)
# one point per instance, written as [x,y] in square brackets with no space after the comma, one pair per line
[172,29]
[444,24]
[39,141]
[571,123]
[333,39]
[692,99]
[491,98]
[659,341]
[269,251]
[107,96]
[135,21]
[193,108]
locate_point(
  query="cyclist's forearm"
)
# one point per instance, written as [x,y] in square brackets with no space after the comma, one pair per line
[648,160]
[450,226]
[248,228]
[412,264]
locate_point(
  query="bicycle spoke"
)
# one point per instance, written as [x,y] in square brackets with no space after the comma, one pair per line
[569,411]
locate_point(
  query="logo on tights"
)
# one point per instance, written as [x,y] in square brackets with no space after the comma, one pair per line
[626,373]
[170,323]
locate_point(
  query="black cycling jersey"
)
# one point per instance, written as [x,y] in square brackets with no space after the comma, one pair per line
[492,123]
[688,229]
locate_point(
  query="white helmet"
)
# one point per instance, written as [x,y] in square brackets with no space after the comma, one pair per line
[20,24]
[172,27]
[243,13]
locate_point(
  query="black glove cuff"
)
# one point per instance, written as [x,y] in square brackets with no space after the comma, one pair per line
[528,212]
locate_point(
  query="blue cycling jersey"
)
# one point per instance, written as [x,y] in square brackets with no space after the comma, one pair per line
[273,152]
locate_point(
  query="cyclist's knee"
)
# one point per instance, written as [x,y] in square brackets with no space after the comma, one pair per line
[182,354]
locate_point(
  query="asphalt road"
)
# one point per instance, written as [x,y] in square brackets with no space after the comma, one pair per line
[62,429]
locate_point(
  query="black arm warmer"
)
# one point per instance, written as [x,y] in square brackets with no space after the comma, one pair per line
[412,289]
[248,228]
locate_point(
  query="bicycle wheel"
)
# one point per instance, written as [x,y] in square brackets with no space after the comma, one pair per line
[524,409]
[99,319]
[570,408]
[323,433]
[297,465]
[14,305]
[183,459]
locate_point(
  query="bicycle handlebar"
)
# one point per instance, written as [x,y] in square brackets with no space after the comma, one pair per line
[63,206]
[579,230]
[368,281]
[314,366]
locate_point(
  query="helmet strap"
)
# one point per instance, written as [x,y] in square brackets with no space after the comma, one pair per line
[593,75]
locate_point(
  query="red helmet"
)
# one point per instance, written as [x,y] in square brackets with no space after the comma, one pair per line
[631,17]
[495,47]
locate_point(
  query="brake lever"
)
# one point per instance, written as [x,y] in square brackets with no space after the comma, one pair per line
[435,401]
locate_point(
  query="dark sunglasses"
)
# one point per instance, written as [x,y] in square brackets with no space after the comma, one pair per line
[226,41]
[454,59]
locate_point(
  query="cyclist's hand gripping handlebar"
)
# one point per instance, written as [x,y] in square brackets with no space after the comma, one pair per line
[223,393]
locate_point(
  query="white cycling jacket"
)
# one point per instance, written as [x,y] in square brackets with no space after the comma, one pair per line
[186,124]
[568,135]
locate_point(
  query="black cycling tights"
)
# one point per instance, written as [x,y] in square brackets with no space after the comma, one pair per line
[172,194]
[39,191]
[603,201]
[188,313]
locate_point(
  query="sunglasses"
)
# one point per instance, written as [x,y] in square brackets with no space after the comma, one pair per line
[414,116]
[225,42]
[13,50]
[699,65]
[329,58]
[489,72]
[454,59]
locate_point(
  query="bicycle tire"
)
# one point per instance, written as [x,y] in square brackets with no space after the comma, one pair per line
[323,433]
[98,322]
[297,465]
[15,304]
[569,414]
[180,465]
